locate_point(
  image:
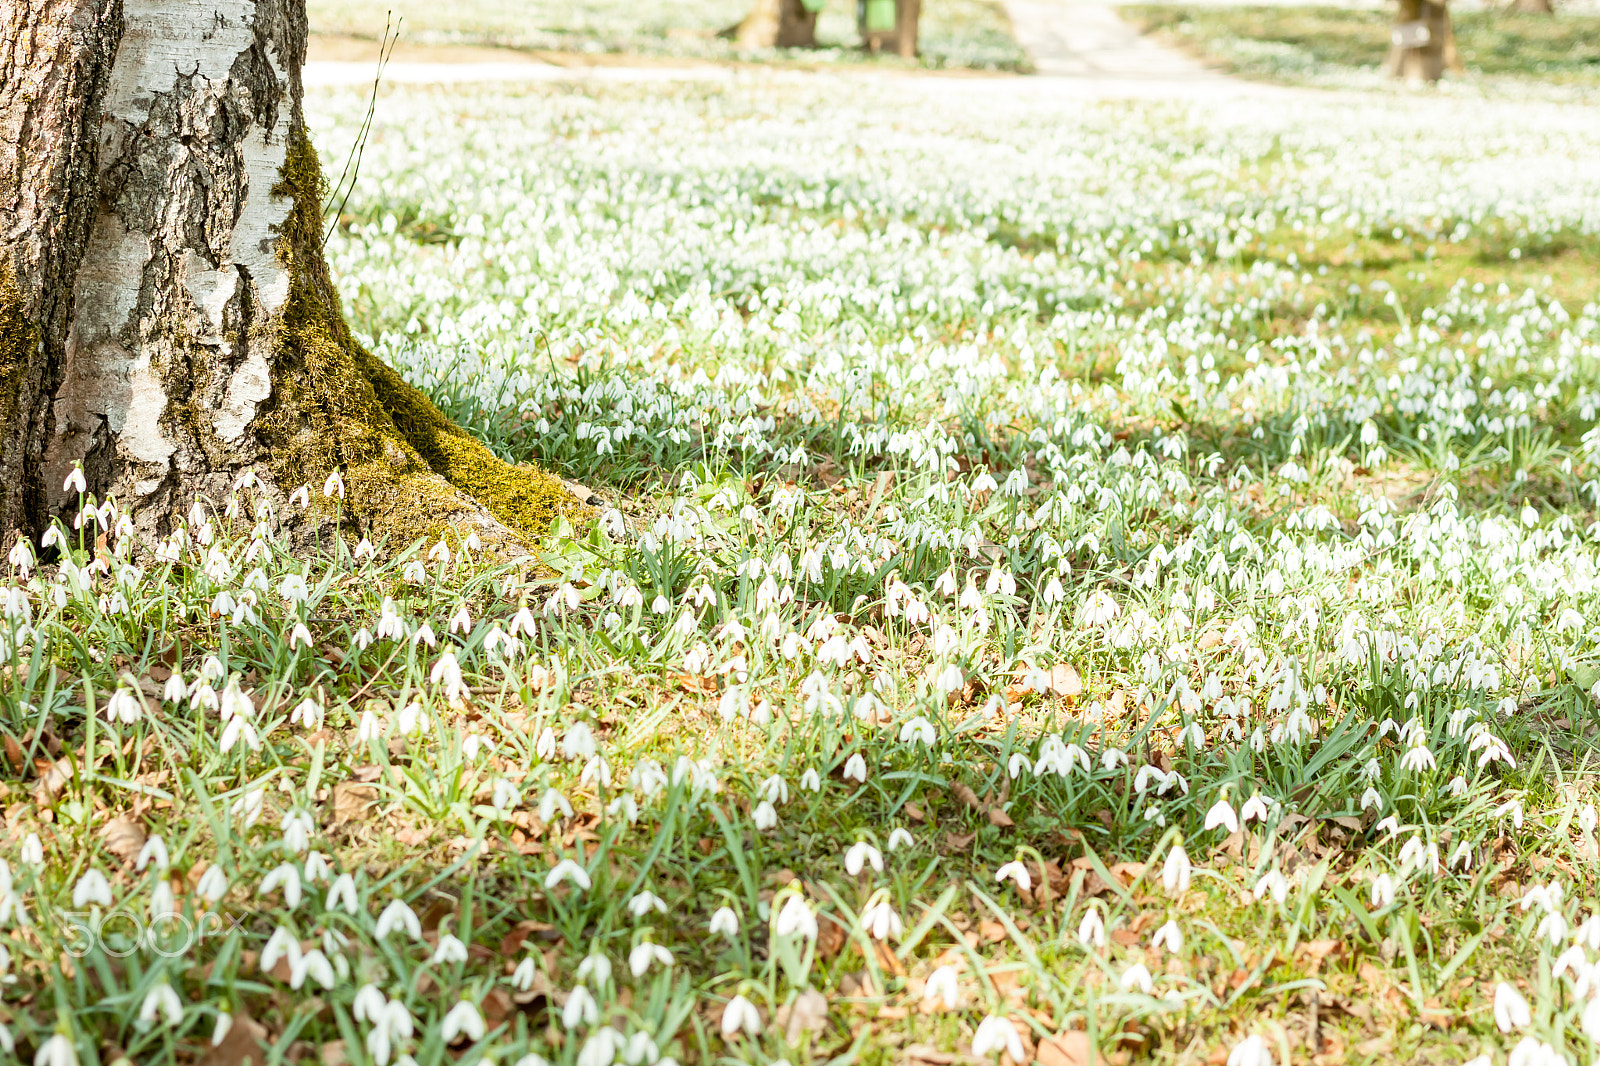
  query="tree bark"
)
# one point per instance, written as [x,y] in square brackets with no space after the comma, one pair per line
[776,24]
[166,317]
[902,40]
[1424,43]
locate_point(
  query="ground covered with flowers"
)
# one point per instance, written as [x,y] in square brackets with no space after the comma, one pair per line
[1060,576]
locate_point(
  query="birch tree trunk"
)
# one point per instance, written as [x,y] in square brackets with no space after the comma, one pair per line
[166,316]
[1423,46]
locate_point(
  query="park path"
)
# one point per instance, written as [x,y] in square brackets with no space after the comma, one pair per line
[1081,49]
[1074,39]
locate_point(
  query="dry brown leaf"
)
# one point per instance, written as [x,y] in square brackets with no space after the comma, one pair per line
[14,753]
[1070,1048]
[124,838]
[966,795]
[1000,818]
[351,800]
[1064,680]
[53,777]
[930,1055]
[807,1014]
[959,841]
[831,936]
[245,1042]
[1312,952]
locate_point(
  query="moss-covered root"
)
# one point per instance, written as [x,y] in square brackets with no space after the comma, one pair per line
[409,471]
[19,342]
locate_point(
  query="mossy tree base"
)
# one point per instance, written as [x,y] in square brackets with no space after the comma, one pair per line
[409,471]
[182,334]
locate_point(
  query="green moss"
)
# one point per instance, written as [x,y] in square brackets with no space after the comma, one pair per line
[409,471]
[19,340]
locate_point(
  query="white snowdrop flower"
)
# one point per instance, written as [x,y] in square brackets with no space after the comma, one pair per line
[369,1004]
[286,877]
[154,850]
[724,922]
[998,1034]
[333,486]
[523,977]
[307,713]
[342,892]
[161,1002]
[1532,1052]
[463,1020]
[811,780]
[740,1016]
[449,949]
[918,729]
[601,1047]
[861,854]
[943,986]
[1169,936]
[642,1050]
[1017,873]
[1136,976]
[239,729]
[220,1028]
[74,482]
[1092,930]
[881,922]
[765,815]
[567,870]
[579,742]
[213,884]
[32,850]
[855,768]
[646,954]
[1591,1018]
[551,802]
[1511,1011]
[312,965]
[1254,809]
[124,706]
[280,946]
[57,1050]
[645,902]
[1382,892]
[1272,883]
[1222,814]
[506,796]
[1251,1051]
[398,917]
[92,887]
[365,550]
[1176,870]
[595,969]
[796,919]
[545,746]
[900,837]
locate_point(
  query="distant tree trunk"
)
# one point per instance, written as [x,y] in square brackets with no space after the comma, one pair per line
[1533,7]
[776,24]
[902,39]
[166,316]
[1423,45]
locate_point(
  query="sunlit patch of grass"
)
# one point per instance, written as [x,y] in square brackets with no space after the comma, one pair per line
[1293,43]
